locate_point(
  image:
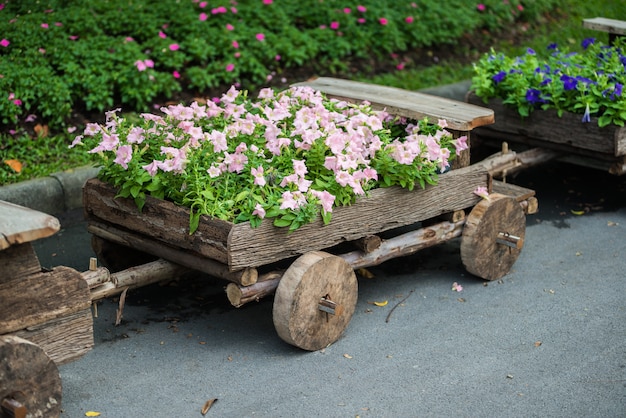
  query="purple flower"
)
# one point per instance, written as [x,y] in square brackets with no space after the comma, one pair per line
[586,116]
[553,46]
[533,96]
[499,77]
[530,51]
[569,82]
[546,81]
[586,42]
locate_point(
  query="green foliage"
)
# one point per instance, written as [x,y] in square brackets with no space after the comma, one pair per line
[589,81]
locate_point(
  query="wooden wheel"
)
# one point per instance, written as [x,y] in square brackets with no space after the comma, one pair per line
[493,236]
[29,380]
[315,300]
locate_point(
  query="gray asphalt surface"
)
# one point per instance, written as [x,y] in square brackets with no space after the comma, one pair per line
[548,340]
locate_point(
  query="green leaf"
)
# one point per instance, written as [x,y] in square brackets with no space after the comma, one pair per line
[194,221]
[281,223]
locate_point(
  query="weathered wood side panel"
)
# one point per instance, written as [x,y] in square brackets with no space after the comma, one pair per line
[64,339]
[545,125]
[382,210]
[41,297]
[159,219]
[18,261]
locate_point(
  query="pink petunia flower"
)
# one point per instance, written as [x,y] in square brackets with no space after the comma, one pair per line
[45,25]
[259,211]
[258,174]
[409,19]
[162,34]
[203,4]
[361,20]
[5,43]
[347,10]
[123,155]
[383,21]
[481,7]
[267,1]
[235,44]
[203,16]
[260,37]
[73,37]
[230,67]
[174,47]
[482,192]
[361,9]
[229,27]
[175,74]
[457,287]
[334,25]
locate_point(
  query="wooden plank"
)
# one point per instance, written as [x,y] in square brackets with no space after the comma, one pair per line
[545,126]
[159,219]
[603,24]
[413,105]
[19,224]
[41,297]
[518,192]
[18,261]
[63,339]
[383,209]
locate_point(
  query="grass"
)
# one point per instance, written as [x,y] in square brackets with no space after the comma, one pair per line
[41,156]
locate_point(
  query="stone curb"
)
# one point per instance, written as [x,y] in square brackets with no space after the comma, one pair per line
[54,194]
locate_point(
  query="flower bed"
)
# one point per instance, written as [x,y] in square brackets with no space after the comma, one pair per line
[290,156]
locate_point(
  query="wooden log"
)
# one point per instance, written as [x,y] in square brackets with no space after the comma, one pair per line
[244,246]
[18,261]
[64,339]
[137,276]
[406,244]
[239,295]
[503,163]
[28,376]
[42,297]
[97,277]
[19,224]
[369,243]
[245,276]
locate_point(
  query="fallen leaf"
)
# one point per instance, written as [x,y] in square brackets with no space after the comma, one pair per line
[578,212]
[365,273]
[383,303]
[15,165]
[41,130]
[347,356]
[92,414]
[461,299]
[509,376]
[611,223]
[537,343]
[207,405]
[578,253]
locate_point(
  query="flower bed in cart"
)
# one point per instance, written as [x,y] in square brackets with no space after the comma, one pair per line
[260,180]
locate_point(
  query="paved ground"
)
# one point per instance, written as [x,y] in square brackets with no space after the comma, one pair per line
[547,340]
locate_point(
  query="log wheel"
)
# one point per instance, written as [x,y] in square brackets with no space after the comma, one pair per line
[315,300]
[30,384]
[493,236]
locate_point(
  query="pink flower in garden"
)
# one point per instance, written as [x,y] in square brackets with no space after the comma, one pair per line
[237,54]
[277,57]
[135,136]
[58,24]
[71,129]
[176,74]
[361,20]
[203,4]
[151,168]
[259,211]
[45,25]
[17,102]
[74,37]
[203,16]
[409,19]
[229,27]
[162,34]
[219,10]
[400,66]
[230,67]
[334,25]
[127,39]
[326,199]
[383,21]
[347,10]
[361,9]
[457,287]
[260,37]
[482,192]
[235,44]
[4,43]
[520,7]
[123,155]
[442,123]
[258,174]
[267,1]
[30,118]
[461,143]
[481,7]
[174,47]
[233,10]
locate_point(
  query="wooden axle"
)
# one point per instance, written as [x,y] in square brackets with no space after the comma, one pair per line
[11,408]
[510,240]
[328,306]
